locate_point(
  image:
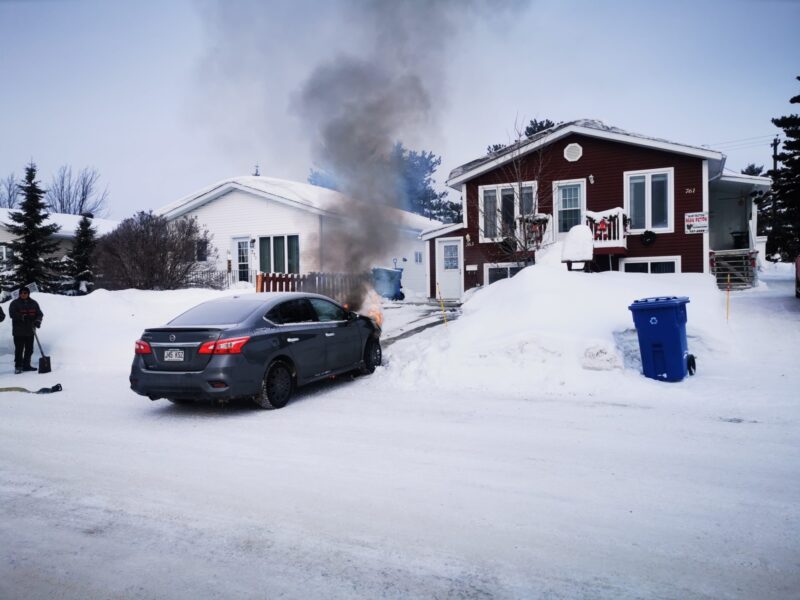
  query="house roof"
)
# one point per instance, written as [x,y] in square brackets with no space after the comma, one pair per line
[588,127]
[68,223]
[304,196]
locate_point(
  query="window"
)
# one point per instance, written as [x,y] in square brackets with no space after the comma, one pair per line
[279,254]
[418,257]
[649,200]
[654,265]
[328,311]
[217,312]
[501,206]
[498,271]
[243,259]
[201,251]
[293,311]
[450,257]
[5,253]
[569,206]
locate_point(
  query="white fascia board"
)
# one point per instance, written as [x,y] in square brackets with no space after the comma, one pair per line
[761,182]
[589,132]
[437,232]
[196,202]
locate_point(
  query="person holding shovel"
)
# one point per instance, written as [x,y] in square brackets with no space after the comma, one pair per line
[26,316]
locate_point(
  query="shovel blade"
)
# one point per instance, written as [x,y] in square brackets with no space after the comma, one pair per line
[44,364]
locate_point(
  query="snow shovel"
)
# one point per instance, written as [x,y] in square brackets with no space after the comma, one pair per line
[44,361]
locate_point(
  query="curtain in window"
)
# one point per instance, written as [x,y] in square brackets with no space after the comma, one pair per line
[278,254]
[489,213]
[264,255]
[293,242]
[507,214]
[637,202]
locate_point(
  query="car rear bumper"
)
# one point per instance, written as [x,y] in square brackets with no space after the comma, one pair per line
[224,378]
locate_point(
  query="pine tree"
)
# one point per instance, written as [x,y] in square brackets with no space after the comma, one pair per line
[79,275]
[33,246]
[784,230]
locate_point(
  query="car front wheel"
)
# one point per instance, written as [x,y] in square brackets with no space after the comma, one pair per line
[276,388]
[372,357]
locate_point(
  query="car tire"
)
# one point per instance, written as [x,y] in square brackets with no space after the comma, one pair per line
[372,357]
[276,387]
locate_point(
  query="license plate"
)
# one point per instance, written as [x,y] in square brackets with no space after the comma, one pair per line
[173,355]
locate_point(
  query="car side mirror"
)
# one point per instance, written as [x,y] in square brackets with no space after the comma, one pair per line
[352,315]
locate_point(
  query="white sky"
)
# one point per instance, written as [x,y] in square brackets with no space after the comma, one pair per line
[166,98]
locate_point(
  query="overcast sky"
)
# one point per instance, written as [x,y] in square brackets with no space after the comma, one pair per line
[165,98]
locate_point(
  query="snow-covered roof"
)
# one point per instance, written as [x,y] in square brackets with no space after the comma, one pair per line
[588,127]
[304,196]
[67,223]
[754,180]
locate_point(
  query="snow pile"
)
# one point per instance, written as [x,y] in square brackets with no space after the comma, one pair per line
[554,331]
[578,246]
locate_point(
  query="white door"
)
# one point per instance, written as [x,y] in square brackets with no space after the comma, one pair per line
[449,268]
[241,259]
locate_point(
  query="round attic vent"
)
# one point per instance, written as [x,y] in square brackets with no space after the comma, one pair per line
[573,152]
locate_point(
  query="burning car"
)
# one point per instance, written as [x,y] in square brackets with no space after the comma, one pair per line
[260,346]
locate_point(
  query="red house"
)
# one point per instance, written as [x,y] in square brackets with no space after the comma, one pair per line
[653,206]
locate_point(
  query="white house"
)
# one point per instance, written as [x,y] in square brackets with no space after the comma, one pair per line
[262,224]
[65,235]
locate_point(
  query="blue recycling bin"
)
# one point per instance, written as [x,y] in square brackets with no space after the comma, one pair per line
[661,327]
[387,282]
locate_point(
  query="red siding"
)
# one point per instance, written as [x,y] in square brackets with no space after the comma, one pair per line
[606,161]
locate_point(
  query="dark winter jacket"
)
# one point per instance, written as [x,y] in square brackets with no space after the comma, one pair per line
[25,315]
[2,315]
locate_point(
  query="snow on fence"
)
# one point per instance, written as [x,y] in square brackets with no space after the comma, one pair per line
[339,286]
[609,228]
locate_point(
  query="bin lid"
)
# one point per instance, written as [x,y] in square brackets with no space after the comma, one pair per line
[658,302]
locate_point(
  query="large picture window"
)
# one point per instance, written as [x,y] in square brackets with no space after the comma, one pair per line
[500,208]
[279,254]
[649,200]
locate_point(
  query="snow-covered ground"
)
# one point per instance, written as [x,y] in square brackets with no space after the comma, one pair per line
[515,453]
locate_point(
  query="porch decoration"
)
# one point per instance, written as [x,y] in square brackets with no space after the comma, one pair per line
[648,238]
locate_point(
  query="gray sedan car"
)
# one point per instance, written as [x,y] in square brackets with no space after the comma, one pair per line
[259,346]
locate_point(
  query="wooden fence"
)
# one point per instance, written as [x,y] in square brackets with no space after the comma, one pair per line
[342,287]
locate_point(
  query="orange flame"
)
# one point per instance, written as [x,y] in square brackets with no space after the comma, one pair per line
[372,307]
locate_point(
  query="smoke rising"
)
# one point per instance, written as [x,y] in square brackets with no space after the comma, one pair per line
[382,81]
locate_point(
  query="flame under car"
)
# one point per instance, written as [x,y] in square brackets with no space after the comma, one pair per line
[260,346]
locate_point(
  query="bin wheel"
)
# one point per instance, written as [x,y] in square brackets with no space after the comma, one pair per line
[691,364]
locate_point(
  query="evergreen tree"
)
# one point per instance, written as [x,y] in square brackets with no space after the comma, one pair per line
[783,208]
[413,182]
[753,169]
[79,275]
[33,246]
[533,127]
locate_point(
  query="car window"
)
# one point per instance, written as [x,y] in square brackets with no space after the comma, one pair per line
[216,313]
[328,311]
[292,311]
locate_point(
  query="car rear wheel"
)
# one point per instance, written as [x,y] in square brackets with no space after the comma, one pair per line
[372,357]
[276,388]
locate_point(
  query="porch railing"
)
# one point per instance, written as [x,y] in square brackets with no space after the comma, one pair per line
[609,228]
[339,286]
[734,269]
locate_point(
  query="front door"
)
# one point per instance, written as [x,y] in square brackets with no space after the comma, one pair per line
[241,257]
[449,268]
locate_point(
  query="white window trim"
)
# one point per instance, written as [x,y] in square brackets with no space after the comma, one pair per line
[648,259]
[500,265]
[285,237]
[556,185]
[626,192]
[517,206]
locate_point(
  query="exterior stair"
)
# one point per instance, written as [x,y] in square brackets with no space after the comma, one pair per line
[734,268]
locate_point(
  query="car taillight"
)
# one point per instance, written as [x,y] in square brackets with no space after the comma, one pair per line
[229,346]
[143,347]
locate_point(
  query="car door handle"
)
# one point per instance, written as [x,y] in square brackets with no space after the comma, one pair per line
[292,340]
[330,334]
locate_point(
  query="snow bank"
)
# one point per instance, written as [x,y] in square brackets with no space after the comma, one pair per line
[549,330]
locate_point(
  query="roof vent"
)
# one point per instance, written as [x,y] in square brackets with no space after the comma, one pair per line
[573,152]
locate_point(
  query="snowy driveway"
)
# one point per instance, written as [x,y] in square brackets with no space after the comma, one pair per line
[368,489]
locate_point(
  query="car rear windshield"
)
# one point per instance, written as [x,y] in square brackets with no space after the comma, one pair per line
[216,313]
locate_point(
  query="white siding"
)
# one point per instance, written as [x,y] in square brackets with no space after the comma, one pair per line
[238,214]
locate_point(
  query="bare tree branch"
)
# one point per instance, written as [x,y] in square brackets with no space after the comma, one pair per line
[76,195]
[9,192]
